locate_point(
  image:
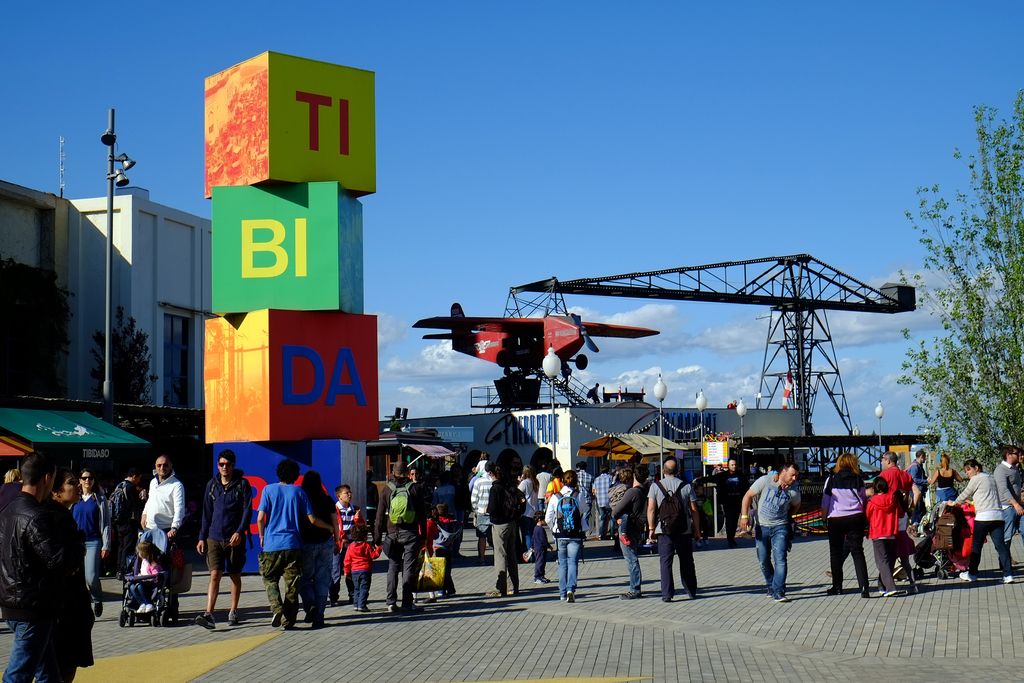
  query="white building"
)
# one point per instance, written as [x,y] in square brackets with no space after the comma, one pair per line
[161,276]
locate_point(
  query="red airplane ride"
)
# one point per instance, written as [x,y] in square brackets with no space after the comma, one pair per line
[520,343]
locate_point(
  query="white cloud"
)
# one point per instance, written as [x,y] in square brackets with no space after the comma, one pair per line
[435,361]
[390,329]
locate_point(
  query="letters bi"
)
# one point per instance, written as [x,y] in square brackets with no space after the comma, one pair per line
[250,247]
[335,387]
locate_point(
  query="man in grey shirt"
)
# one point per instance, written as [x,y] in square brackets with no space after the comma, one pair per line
[1007,476]
[778,497]
[677,540]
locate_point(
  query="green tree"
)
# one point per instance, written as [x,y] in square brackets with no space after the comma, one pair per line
[131,360]
[34,317]
[970,379]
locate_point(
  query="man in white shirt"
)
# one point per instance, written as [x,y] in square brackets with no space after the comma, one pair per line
[480,498]
[165,506]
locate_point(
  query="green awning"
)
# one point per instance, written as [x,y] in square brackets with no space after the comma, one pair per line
[53,428]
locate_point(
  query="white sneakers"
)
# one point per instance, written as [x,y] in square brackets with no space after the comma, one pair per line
[1007,579]
[145,608]
[967,577]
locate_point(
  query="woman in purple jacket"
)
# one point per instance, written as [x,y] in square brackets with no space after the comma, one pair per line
[842,505]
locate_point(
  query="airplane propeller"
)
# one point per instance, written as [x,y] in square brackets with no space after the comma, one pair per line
[583,332]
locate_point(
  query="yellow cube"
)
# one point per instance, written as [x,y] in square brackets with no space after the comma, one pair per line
[278,118]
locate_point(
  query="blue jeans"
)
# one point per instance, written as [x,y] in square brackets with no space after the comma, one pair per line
[632,565]
[337,569]
[568,560]
[1011,525]
[526,525]
[316,575]
[92,569]
[361,587]
[32,654]
[777,538]
[605,527]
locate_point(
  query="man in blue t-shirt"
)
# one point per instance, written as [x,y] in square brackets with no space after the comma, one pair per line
[282,506]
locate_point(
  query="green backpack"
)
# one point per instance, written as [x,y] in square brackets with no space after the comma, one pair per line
[401,509]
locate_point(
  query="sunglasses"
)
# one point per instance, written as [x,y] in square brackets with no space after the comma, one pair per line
[86,478]
[162,465]
[224,464]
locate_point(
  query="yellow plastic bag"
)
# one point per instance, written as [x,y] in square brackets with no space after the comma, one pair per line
[431,573]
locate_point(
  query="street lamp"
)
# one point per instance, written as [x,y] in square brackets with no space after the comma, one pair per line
[701,404]
[660,392]
[109,138]
[552,367]
[879,413]
[741,410]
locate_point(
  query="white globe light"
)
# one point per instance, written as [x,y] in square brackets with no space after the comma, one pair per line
[660,390]
[741,409]
[879,411]
[702,402]
[552,364]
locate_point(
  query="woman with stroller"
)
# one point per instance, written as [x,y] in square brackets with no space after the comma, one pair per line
[988,520]
[842,505]
[943,478]
[93,518]
[72,638]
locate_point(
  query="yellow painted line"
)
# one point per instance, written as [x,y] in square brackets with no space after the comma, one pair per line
[573,679]
[171,664]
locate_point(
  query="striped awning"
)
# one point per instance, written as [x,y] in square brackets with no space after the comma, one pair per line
[431,450]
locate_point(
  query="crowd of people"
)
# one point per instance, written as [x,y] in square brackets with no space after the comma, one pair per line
[57,527]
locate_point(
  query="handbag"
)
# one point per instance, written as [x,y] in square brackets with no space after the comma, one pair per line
[432,569]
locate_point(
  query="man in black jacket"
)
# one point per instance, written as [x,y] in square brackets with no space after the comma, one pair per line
[227,516]
[403,539]
[505,507]
[33,563]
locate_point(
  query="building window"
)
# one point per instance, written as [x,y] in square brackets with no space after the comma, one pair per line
[176,360]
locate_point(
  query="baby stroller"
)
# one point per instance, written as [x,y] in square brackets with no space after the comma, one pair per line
[154,586]
[945,535]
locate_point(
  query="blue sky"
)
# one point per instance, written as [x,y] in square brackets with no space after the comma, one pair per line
[517,141]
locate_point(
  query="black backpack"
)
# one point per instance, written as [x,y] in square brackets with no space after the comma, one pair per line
[120,507]
[511,503]
[673,514]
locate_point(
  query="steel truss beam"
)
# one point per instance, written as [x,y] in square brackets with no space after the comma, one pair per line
[798,288]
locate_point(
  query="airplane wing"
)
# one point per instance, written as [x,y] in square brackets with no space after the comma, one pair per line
[462,324]
[625,331]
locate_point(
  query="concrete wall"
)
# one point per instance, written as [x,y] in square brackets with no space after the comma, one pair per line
[161,265]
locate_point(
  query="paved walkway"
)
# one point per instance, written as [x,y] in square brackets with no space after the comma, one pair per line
[732,632]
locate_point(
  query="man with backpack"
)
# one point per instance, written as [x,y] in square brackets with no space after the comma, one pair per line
[227,515]
[672,518]
[401,525]
[126,503]
[505,506]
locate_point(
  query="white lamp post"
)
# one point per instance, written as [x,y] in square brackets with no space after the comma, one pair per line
[701,404]
[660,392]
[552,367]
[879,413]
[741,410]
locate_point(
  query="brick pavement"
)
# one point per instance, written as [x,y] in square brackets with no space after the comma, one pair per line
[732,632]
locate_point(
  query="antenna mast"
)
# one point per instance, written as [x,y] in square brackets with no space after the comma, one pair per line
[60,166]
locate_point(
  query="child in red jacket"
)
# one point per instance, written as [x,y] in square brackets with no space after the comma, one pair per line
[359,565]
[883,524]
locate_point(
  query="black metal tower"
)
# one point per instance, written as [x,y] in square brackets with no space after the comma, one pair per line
[798,289]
